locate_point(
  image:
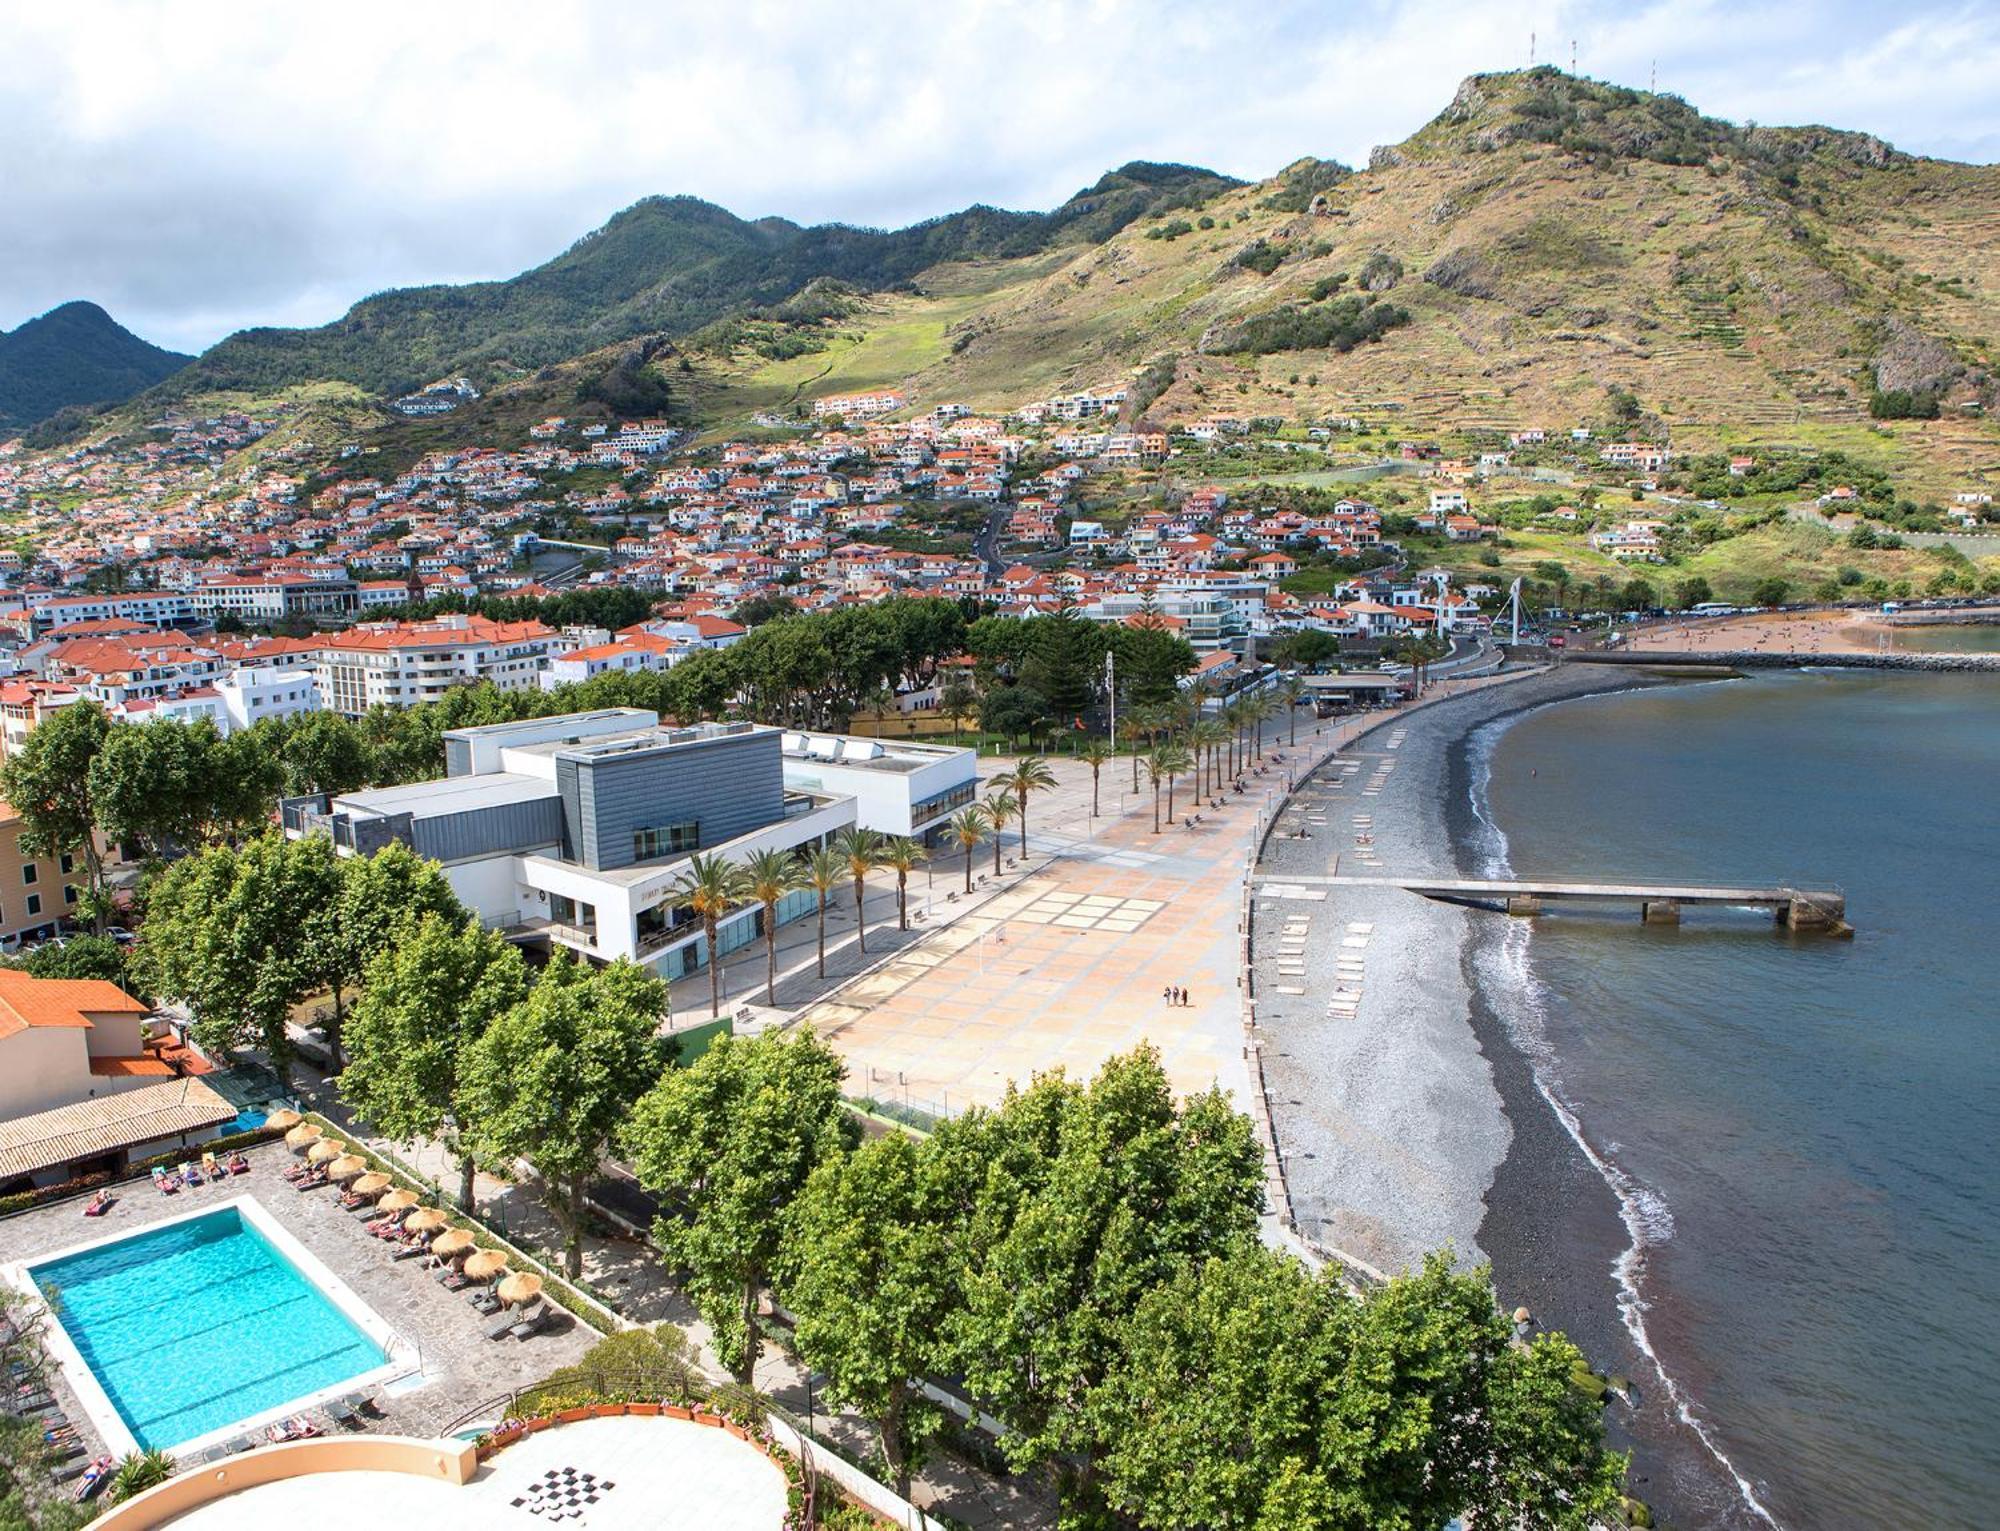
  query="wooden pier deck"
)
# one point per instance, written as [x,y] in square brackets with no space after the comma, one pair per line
[1659,903]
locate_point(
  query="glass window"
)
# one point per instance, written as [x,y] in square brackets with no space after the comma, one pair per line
[29,872]
[665,840]
[34,903]
[68,863]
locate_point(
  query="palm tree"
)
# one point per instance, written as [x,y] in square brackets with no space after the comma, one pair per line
[1174,759]
[958,700]
[1096,754]
[823,871]
[1234,717]
[771,874]
[861,852]
[1133,729]
[1294,692]
[968,829]
[1029,775]
[1156,772]
[709,887]
[1206,738]
[903,855]
[1000,807]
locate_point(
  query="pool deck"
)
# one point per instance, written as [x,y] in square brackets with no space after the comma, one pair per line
[451,1365]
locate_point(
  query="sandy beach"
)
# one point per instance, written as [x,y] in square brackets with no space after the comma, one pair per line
[1780,632]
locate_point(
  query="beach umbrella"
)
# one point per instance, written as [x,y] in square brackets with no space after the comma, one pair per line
[424,1220]
[279,1120]
[397,1201]
[346,1167]
[520,1288]
[485,1264]
[302,1137]
[372,1184]
[325,1152]
[454,1242]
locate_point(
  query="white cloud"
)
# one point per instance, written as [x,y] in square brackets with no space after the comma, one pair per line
[196,167]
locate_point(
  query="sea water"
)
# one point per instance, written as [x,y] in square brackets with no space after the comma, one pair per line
[1804,1132]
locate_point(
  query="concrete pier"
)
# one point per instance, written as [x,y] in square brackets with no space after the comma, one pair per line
[1659,904]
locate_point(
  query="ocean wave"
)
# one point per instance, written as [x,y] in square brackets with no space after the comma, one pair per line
[1647,1219]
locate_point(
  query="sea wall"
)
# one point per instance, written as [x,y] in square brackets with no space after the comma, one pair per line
[1754,659]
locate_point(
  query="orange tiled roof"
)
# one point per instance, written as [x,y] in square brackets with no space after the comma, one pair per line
[29,1001]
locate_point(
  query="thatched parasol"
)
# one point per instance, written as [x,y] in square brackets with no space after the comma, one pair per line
[455,1241]
[346,1167]
[325,1152]
[424,1219]
[397,1201]
[485,1264]
[372,1184]
[521,1288]
[277,1121]
[302,1137]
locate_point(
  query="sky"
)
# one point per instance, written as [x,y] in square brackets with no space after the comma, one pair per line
[198,167]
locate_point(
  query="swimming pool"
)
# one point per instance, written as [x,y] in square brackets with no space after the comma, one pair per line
[199,1324]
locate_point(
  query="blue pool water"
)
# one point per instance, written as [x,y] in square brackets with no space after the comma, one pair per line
[194,1326]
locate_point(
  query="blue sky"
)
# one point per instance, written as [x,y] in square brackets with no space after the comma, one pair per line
[197,167]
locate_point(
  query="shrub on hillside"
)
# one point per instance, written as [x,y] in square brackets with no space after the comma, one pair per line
[1340,325]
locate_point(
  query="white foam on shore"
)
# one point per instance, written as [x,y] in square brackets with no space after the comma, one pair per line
[1647,1218]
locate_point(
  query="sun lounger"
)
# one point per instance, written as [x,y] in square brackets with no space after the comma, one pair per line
[485,1299]
[497,1329]
[210,1168]
[93,1478]
[67,1449]
[342,1411]
[68,1472]
[532,1322]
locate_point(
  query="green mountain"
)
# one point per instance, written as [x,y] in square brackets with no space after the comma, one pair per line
[74,355]
[666,265]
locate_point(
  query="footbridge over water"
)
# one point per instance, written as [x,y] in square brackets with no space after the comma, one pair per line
[1659,903]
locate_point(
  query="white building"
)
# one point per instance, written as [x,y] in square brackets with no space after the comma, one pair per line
[899,788]
[249,696]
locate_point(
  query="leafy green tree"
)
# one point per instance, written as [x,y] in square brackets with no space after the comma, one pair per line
[1023,779]
[323,752]
[1013,711]
[427,999]
[1251,1392]
[866,1269]
[79,957]
[1638,595]
[730,1142]
[553,1079]
[148,785]
[958,701]
[242,937]
[708,888]
[1692,592]
[48,781]
[768,877]
[1075,1202]
[1770,592]
[379,895]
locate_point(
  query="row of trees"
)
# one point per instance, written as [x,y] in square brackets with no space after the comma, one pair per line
[1086,1260]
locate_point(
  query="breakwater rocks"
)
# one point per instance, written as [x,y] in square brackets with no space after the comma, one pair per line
[1759,659]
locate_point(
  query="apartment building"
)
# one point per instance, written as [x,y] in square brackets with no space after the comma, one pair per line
[35,891]
[275,597]
[402,663]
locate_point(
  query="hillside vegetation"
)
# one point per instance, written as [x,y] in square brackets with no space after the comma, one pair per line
[74,357]
[668,265]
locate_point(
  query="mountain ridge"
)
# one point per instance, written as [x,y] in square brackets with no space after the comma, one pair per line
[75,356]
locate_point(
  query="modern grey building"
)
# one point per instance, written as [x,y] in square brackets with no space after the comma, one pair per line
[578,826]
